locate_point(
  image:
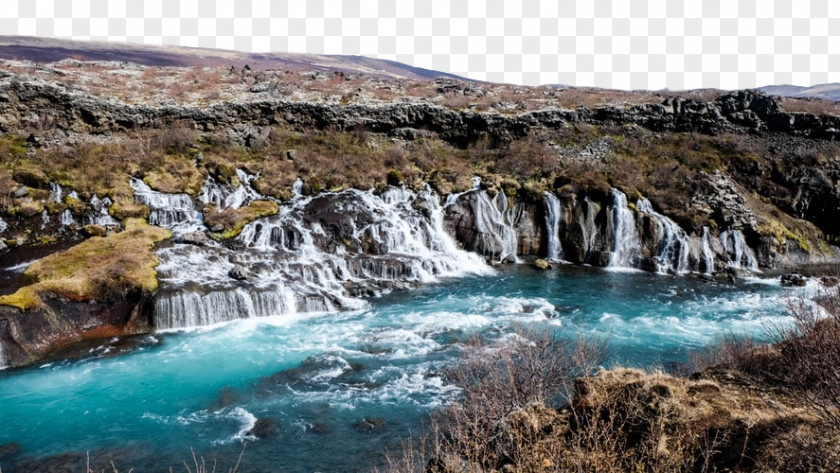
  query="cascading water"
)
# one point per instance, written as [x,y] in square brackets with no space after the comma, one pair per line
[100,215]
[174,211]
[66,218]
[673,244]
[493,223]
[297,187]
[56,192]
[317,254]
[622,225]
[3,225]
[708,253]
[552,216]
[740,255]
[227,196]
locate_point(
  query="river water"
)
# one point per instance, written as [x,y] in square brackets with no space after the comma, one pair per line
[339,389]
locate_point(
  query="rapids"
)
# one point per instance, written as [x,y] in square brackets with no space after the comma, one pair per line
[328,323]
[318,376]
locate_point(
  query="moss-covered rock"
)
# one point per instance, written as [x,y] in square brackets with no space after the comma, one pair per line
[229,222]
[100,268]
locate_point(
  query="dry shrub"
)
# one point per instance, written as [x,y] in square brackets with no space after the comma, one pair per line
[802,366]
[501,412]
[617,420]
[527,158]
[7,186]
[806,355]
[813,106]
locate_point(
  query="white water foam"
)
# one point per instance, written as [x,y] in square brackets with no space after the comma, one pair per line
[176,212]
[622,225]
[552,215]
[292,269]
[740,255]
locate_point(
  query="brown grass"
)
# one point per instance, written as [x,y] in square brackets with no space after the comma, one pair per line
[726,418]
[231,221]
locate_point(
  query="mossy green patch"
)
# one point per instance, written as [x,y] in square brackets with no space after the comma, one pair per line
[12,145]
[98,268]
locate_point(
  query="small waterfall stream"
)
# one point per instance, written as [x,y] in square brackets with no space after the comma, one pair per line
[673,245]
[622,225]
[492,222]
[552,215]
[176,212]
[708,253]
[225,195]
[100,215]
[297,187]
[740,255]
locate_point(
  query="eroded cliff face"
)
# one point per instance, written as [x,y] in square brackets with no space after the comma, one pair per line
[27,101]
[30,336]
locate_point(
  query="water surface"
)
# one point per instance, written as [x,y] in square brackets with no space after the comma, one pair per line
[341,388]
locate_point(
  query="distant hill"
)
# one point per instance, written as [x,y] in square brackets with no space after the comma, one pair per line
[821,91]
[45,50]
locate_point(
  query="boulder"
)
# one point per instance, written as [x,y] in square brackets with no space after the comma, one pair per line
[792,279]
[370,424]
[194,238]
[239,272]
[542,265]
[21,191]
[263,428]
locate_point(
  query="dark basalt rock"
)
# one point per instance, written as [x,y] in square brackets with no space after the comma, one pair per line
[319,428]
[793,280]
[370,424]
[239,272]
[30,336]
[264,428]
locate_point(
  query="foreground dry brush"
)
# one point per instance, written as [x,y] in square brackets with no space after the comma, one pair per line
[540,404]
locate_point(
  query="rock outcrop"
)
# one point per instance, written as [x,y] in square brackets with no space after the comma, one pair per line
[30,336]
[24,99]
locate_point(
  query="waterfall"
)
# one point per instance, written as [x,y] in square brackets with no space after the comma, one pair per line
[3,225]
[672,244]
[297,187]
[100,215]
[476,182]
[740,255]
[56,193]
[173,211]
[318,253]
[45,219]
[622,224]
[192,309]
[708,253]
[225,195]
[493,224]
[66,218]
[552,220]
